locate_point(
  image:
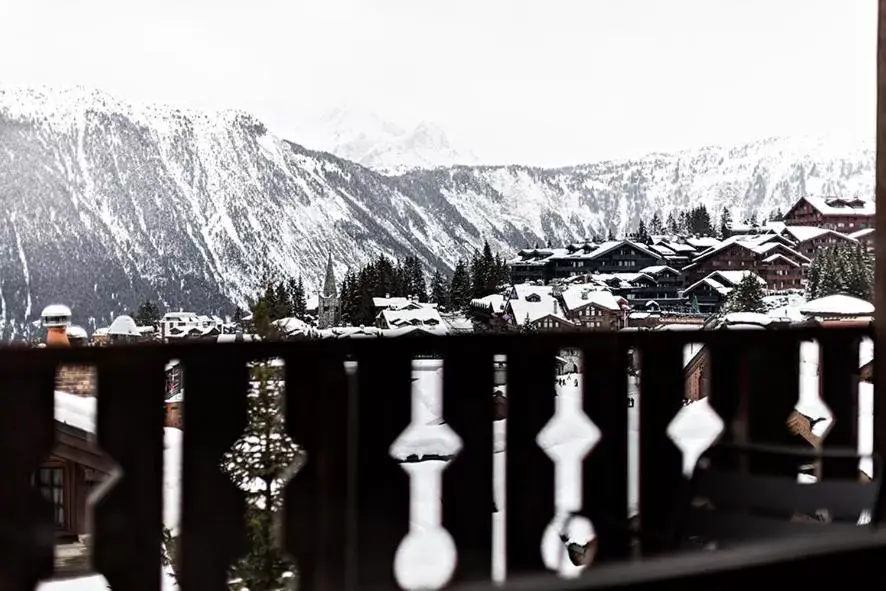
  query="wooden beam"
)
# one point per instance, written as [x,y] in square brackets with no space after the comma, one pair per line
[880,273]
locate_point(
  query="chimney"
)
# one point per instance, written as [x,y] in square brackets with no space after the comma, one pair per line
[387,296]
[555,306]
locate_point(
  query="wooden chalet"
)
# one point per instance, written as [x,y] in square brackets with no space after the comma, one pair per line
[833,213]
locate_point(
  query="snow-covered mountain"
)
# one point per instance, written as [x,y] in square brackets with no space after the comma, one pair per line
[365,138]
[104,204]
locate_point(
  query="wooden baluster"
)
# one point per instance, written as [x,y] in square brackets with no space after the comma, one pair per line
[129,517]
[468,410]
[318,407]
[383,411]
[726,362]
[771,395]
[605,474]
[839,390]
[27,437]
[530,472]
[212,522]
[662,485]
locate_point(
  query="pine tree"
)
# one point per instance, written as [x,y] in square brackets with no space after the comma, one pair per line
[460,288]
[148,314]
[725,223]
[299,299]
[860,283]
[610,235]
[672,224]
[259,462]
[440,290]
[415,279]
[237,319]
[775,215]
[747,296]
[282,304]
[642,235]
[655,225]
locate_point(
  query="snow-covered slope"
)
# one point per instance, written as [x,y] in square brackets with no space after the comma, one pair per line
[104,204]
[365,138]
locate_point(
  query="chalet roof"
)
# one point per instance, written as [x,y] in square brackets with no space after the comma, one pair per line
[422,316]
[775,257]
[754,245]
[389,302]
[861,233]
[837,205]
[837,305]
[496,302]
[522,309]
[578,296]
[712,283]
[733,278]
[656,269]
[804,233]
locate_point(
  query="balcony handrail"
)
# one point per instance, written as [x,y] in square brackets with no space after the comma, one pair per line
[701,569]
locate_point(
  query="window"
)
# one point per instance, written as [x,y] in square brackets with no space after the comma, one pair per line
[51,482]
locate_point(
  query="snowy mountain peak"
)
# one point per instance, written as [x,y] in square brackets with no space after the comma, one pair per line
[362,136]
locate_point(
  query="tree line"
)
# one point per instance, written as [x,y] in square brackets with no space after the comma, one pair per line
[847,270]
[482,275]
[695,221]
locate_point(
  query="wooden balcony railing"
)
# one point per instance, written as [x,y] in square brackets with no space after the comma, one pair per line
[346,511]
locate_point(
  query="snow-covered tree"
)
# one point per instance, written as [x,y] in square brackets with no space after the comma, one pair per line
[642,235]
[440,290]
[460,287]
[747,296]
[656,227]
[847,270]
[725,223]
[258,463]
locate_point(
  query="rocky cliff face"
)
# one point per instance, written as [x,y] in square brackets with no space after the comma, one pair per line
[103,204]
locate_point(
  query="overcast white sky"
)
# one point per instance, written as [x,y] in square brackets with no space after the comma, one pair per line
[545,82]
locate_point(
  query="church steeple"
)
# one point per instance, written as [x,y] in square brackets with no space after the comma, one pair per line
[328,305]
[329,284]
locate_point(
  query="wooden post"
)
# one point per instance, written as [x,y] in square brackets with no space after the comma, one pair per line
[880,222]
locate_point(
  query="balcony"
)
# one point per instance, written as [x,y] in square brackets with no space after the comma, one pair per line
[346,513]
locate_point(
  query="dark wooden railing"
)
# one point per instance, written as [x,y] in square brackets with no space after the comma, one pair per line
[347,510]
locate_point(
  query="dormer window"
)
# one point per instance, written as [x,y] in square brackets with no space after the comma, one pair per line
[533,297]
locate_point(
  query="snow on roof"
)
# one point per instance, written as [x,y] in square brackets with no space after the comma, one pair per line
[77,332]
[709,281]
[496,301]
[841,206]
[123,326]
[312,302]
[837,305]
[690,351]
[76,411]
[703,241]
[424,316]
[861,233]
[294,326]
[656,269]
[548,306]
[804,233]
[775,257]
[523,290]
[748,318]
[733,278]
[55,310]
[389,302]
[576,296]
